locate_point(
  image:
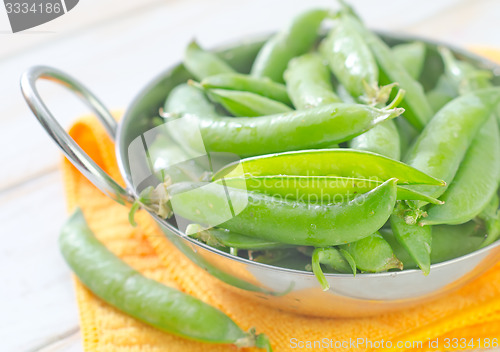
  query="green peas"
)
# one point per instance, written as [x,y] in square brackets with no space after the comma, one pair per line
[448,242]
[202,63]
[491,217]
[266,217]
[412,57]
[316,188]
[373,254]
[239,103]
[169,158]
[443,143]
[442,93]
[418,110]
[188,99]
[258,85]
[312,128]
[160,306]
[354,66]
[383,139]
[295,40]
[349,58]
[417,240]
[407,134]
[476,180]
[226,238]
[308,82]
[334,162]
[465,77]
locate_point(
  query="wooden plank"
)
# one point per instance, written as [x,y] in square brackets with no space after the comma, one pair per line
[86,14]
[37,299]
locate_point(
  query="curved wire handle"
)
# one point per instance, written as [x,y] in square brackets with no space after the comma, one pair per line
[71,150]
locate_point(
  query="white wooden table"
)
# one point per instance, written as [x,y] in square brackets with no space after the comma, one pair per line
[115,51]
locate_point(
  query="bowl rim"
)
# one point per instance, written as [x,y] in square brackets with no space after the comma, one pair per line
[483,62]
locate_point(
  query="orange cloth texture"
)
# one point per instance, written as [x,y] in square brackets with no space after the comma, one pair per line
[473,312]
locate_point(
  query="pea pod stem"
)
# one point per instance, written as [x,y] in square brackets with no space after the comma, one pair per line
[160,306]
[333,258]
[318,272]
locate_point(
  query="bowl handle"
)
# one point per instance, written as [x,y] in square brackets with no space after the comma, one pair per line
[71,150]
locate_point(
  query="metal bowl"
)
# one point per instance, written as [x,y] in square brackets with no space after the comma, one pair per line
[291,290]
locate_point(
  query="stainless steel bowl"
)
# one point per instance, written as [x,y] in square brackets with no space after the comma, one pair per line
[287,289]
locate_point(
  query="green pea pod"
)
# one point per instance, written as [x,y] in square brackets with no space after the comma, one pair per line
[400,253]
[334,162]
[442,145]
[222,237]
[239,103]
[149,301]
[418,110]
[442,93]
[314,189]
[349,57]
[261,216]
[186,99]
[308,82]
[169,158]
[294,40]
[407,134]
[448,242]
[491,217]
[412,57]
[330,257]
[464,75]
[258,85]
[354,66]
[301,129]
[298,261]
[382,139]
[373,254]
[202,63]
[417,240]
[475,182]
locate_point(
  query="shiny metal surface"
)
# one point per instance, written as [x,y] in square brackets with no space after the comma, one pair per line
[287,289]
[71,150]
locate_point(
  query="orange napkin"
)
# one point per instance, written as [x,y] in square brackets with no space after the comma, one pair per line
[473,312]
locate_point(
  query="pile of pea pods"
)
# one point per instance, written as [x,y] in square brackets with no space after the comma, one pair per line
[348,164]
